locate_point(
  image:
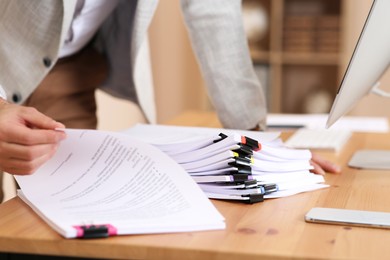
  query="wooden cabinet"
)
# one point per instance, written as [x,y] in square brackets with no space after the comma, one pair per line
[296,50]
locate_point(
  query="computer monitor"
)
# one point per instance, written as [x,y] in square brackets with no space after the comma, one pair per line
[369,62]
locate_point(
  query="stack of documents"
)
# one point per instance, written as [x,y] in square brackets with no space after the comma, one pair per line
[101,184]
[233,164]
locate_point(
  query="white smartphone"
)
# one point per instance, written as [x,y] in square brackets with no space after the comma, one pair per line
[349,217]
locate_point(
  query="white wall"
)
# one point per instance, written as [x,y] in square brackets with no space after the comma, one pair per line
[179,85]
[116,114]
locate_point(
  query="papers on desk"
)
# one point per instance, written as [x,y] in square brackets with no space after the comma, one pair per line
[103,183]
[233,166]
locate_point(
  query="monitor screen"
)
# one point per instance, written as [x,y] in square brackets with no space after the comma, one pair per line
[369,61]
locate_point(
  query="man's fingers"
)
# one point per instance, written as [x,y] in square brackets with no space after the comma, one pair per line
[36,119]
[23,167]
[27,126]
[326,165]
[21,152]
[317,168]
[28,136]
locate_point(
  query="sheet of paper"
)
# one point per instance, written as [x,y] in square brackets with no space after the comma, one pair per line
[101,177]
[227,170]
[290,192]
[283,179]
[211,167]
[207,161]
[284,153]
[186,145]
[215,189]
[275,167]
[164,134]
[204,153]
[215,178]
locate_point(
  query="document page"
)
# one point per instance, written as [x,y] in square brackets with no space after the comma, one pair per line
[160,135]
[101,177]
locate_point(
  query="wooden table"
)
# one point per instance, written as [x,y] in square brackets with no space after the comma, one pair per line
[274,229]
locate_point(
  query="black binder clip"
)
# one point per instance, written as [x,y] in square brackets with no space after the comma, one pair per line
[95,231]
[245,170]
[251,143]
[223,136]
[250,184]
[238,161]
[254,198]
[244,150]
[241,177]
[269,188]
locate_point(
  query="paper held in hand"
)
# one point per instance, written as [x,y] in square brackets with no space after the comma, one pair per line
[104,183]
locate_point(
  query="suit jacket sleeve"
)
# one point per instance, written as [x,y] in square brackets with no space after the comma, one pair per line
[220,44]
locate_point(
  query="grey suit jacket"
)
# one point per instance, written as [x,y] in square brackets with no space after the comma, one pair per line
[33,31]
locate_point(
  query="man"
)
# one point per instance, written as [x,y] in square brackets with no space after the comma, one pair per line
[48,60]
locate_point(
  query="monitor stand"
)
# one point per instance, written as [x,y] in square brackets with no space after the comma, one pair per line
[371,159]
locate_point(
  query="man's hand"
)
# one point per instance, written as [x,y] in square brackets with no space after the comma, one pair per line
[321,166]
[27,138]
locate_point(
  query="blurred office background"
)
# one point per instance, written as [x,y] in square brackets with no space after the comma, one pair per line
[300,49]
